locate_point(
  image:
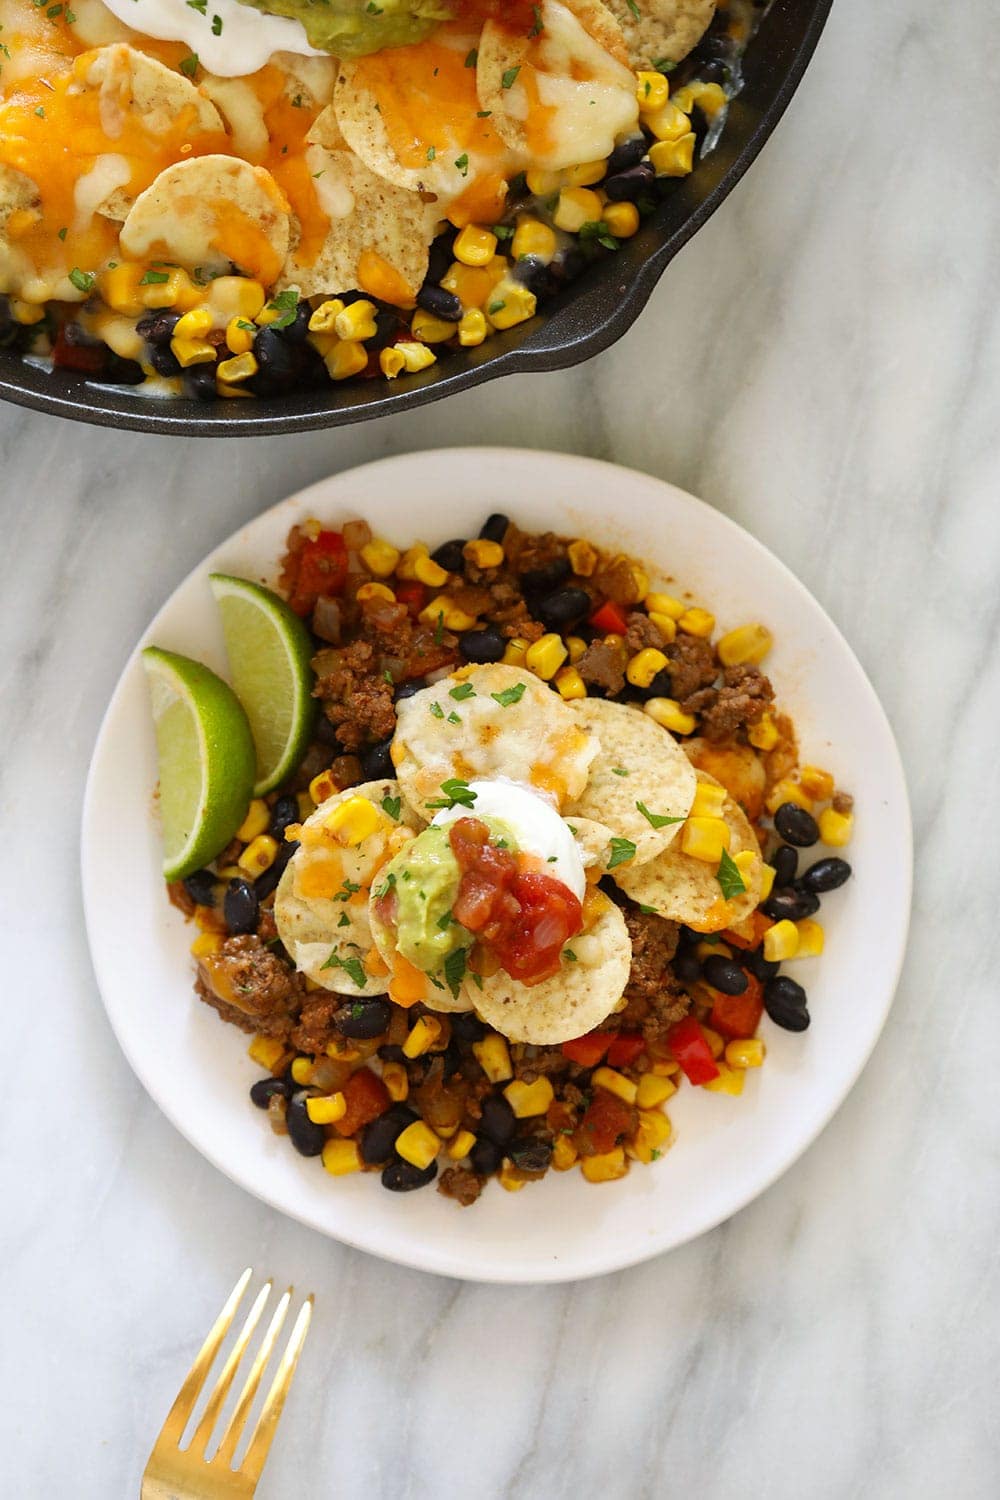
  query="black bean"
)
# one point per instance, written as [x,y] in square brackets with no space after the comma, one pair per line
[796,826]
[440,304]
[268,882]
[467,1027]
[498,1120]
[494,528]
[786,863]
[482,646]
[165,361]
[158,327]
[449,555]
[712,72]
[568,264]
[791,904]
[785,1003]
[531,1154]
[535,274]
[542,580]
[760,967]
[295,331]
[563,609]
[118,371]
[662,686]
[440,259]
[485,1157]
[401,1177]
[265,1088]
[407,689]
[390,1052]
[451,1060]
[826,875]
[240,906]
[199,383]
[365,1017]
[627,186]
[381,1135]
[376,761]
[284,811]
[687,967]
[275,355]
[724,974]
[326,732]
[306,1137]
[201,887]
[627,154]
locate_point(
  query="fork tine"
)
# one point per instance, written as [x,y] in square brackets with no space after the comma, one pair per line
[234,1430]
[267,1422]
[180,1412]
[210,1416]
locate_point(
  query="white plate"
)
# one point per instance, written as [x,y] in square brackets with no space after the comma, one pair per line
[727,1150]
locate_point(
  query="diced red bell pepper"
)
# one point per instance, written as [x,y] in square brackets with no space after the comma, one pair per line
[610,619]
[367,1097]
[87,358]
[586,1050]
[688,1045]
[321,570]
[411,593]
[625,1048]
[606,1121]
[738,1016]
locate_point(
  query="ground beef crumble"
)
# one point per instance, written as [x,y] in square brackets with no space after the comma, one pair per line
[692,665]
[643,633]
[744,696]
[357,702]
[654,998]
[461,1184]
[251,986]
[601,666]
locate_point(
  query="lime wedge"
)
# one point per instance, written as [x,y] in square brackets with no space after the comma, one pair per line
[206,756]
[269,650]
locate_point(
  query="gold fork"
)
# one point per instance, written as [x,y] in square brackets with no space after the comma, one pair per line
[175,1473]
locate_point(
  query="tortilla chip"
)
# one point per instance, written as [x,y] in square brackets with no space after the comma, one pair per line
[739,768]
[593,840]
[314,927]
[367,214]
[511,725]
[96,26]
[572,1002]
[310,79]
[17,193]
[687,890]
[211,212]
[662,30]
[658,774]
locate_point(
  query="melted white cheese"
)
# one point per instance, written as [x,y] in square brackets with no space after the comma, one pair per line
[246,39]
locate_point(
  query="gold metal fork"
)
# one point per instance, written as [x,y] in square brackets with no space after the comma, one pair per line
[175,1473]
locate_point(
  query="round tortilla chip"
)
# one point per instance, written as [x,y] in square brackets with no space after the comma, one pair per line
[572,1002]
[438,997]
[311,926]
[507,58]
[687,890]
[663,30]
[511,725]
[593,840]
[211,212]
[659,775]
[367,215]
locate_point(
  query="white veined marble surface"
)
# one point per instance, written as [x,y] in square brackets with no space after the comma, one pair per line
[823,364]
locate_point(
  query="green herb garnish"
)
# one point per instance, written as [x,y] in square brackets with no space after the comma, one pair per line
[352,967]
[457,793]
[511,695]
[189,65]
[464,690]
[154,278]
[656,820]
[82,280]
[507,81]
[454,970]
[728,875]
[462,163]
[285,304]
[618,771]
[622,850]
[391,806]
[437,711]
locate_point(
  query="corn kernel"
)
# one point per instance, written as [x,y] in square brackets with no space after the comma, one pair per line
[729,1081]
[391,362]
[542,183]
[353,821]
[746,1053]
[811,938]
[652,1135]
[764,734]
[669,124]
[669,715]
[26,313]
[406,567]
[375,591]
[532,237]
[325,316]
[396,1081]
[515,652]
[819,784]
[340,1156]
[622,219]
[256,821]
[528,1099]
[259,855]
[616,1083]
[206,944]
[787,791]
[583,558]
[424,1032]
[461,1144]
[664,604]
[705,839]
[431,330]
[443,610]
[380,557]
[564,1153]
[652,91]
[416,356]
[746,645]
[302,1071]
[576,207]
[781,941]
[471,285]
[475,246]
[493,1057]
[606,1167]
[239,336]
[653,1091]
[835,828]
[194,324]
[747,862]
[708,97]
[483,553]
[241,367]
[673,158]
[767,874]
[716,1045]
[208,919]
[418,1144]
[267,1051]
[472,328]
[320,788]
[119,287]
[341,1050]
[325,1110]
[697,622]
[545,656]
[577,647]
[430,572]
[345,359]
[189,352]
[510,1178]
[708,801]
[356,321]
[569,684]
[178,290]
[306,801]
[233,297]
[644,666]
[510,303]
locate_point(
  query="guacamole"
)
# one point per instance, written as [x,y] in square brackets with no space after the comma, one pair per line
[352,28]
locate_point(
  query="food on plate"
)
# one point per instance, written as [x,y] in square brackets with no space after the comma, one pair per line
[534,866]
[234,198]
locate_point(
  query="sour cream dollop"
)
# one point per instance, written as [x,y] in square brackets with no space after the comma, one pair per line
[533,821]
[229,39]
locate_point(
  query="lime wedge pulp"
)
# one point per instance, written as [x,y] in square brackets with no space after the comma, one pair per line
[269,650]
[206,756]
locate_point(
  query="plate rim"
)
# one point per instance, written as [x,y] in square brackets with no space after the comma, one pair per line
[431,1258]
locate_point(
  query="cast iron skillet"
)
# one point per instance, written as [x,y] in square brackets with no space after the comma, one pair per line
[594,311]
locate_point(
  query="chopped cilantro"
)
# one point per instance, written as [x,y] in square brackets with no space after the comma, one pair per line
[648,911]
[189,65]
[507,81]
[634,9]
[656,820]
[387,885]
[663,65]
[539,25]
[216,25]
[462,163]
[373,9]
[63,233]
[471,58]
[464,690]
[391,806]
[622,850]
[431,152]
[439,628]
[82,280]
[154,278]
[40,112]
[503,231]
[437,711]
[343,920]
[198,5]
[618,771]
[512,694]
[457,793]
[570,956]
[483,114]
[285,304]
[352,967]
[454,970]
[655,1155]
[496,307]
[454,718]
[445,921]
[347,890]
[728,875]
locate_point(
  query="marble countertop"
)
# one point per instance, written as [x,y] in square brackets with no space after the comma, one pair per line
[822,364]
